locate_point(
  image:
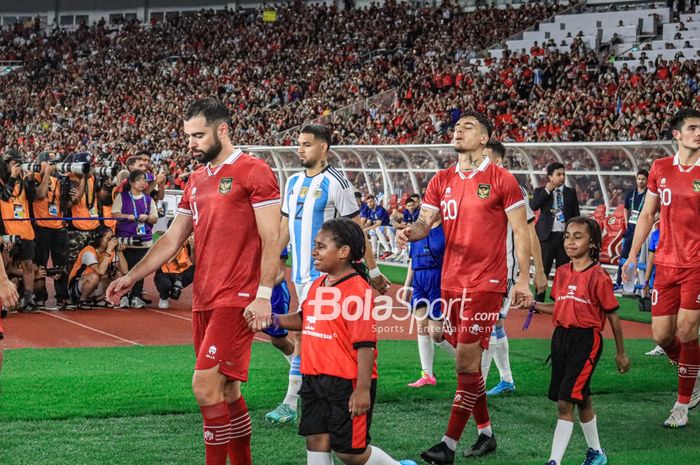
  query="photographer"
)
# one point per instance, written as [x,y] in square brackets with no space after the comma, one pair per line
[51,236]
[176,274]
[137,213]
[81,203]
[97,265]
[16,194]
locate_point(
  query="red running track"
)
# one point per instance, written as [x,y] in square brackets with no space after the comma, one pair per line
[152,326]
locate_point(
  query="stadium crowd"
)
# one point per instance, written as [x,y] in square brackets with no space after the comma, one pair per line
[115,90]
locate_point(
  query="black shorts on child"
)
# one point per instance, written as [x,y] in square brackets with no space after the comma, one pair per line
[575,354]
[324,410]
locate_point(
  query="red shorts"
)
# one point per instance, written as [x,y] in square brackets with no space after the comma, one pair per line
[470,319]
[222,338]
[675,288]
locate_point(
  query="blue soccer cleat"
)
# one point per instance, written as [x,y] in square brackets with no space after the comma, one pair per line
[595,457]
[282,414]
[501,388]
[407,462]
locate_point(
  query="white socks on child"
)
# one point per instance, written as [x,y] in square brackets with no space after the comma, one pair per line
[318,458]
[562,434]
[426,351]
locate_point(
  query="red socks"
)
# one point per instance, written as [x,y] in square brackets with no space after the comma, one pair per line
[688,365]
[468,388]
[239,446]
[217,432]
[481,409]
[674,350]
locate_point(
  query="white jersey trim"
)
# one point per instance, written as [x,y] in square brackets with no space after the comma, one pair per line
[184,211]
[430,207]
[520,203]
[266,203]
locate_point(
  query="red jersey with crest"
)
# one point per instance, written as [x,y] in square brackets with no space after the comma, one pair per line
[678,190]
[221,202]
[337,321]
[582,298]
[473,206]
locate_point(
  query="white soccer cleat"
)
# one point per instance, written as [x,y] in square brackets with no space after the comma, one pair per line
[657,351]
[678,418]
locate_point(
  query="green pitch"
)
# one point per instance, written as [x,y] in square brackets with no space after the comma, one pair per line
[134,406]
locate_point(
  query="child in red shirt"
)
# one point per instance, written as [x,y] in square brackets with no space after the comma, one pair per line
[338,360]
[584,299]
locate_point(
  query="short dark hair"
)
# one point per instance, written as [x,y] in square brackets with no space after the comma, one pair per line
[134,175]
[131,161]
[211,109]
[319,131]
[410,199]
[358,195]
[369,196]
[681,116]
[497,147]
[594,231]
[643,172]
[481,119]
[552,167]
[415,197]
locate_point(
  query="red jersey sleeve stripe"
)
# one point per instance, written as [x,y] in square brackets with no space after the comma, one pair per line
[266,203]
[519,204]
[430,207]
[184,211]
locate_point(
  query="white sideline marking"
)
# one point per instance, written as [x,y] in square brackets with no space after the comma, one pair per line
[89,327]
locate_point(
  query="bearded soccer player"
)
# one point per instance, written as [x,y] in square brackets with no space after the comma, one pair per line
[477,200]
[674,190]
[232,205]
[312,197]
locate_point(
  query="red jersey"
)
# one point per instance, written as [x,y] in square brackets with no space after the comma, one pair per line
[582,298]
[678,189]
[333,331]
[221,201]
[473,206]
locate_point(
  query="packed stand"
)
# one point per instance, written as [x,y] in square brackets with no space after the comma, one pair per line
[116,90]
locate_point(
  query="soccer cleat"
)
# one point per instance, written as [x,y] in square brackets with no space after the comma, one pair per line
[282,414]
[484,445]
[551,462]
[163,303]
[501,388]
[677,419]
[595,457]
[657,351]
[407,462]
[136,302]
[424,380]
[439,454]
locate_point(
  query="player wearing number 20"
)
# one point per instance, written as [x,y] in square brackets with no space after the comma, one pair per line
[674,190]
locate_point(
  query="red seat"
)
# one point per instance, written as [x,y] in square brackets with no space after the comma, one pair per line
[614,230]
[599,216]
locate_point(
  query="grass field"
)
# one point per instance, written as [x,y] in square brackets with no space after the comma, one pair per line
[134,406]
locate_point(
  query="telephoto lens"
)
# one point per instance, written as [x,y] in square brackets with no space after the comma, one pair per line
[129,241]
[55,271]
[31,167]
[75,168]
[176,289]
[11,239]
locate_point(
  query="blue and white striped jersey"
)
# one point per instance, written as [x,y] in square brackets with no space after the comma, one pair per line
[308,203]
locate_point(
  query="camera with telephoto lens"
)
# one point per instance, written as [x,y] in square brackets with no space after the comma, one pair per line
[129,241]
[31,167]
[75,168]
[176,290]
[11,239]
[55,271]
[108,171]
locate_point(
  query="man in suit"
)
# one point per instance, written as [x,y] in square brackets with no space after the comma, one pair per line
[557,204]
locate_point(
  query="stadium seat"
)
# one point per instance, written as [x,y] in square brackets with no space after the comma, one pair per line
[614,230]
[599,216]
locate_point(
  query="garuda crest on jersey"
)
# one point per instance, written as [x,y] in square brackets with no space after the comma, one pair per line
[225,185]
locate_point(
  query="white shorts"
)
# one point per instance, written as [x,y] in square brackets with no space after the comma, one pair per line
[302,291]
[505,307]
